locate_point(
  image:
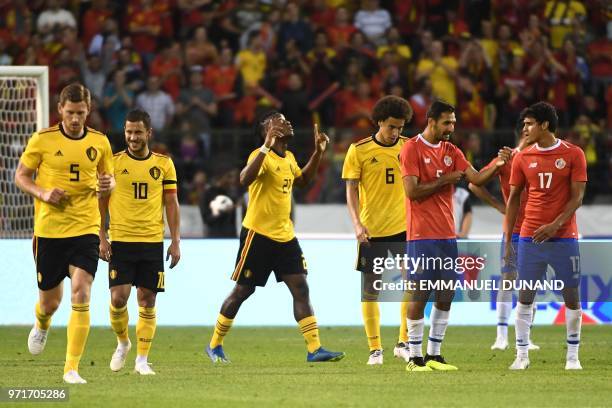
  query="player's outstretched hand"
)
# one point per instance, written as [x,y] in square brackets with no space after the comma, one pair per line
[545,232]
[504,154]
[54,196]
[106,183]
[321,139]
[174,252]
[105,249]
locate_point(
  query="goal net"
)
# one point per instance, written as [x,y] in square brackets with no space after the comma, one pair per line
[24,109]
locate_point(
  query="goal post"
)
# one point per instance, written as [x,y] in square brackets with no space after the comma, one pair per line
[24,109]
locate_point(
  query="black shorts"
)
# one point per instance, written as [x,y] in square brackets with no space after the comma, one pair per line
[258,256]
[53,256]
[140,264]
[379,247]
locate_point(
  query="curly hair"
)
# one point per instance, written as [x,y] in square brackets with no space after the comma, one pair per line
[391,107]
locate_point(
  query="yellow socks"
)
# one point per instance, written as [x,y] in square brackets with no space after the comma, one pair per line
[371,322]
[119,322]
[310,331]
[43,321]
[221,328]
[78,330]
[403,330]
[145,330]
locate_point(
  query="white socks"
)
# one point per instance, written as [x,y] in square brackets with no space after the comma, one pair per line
[524,317]
[504,308]
[573,322]
[439,322]
[415,337]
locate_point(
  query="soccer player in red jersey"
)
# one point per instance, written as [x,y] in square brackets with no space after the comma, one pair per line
[430,167]
[508,272]
[554,173]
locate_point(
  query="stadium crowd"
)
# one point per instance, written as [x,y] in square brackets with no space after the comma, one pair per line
[206,69]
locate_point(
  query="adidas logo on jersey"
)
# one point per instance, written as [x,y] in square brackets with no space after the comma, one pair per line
[125,171]
[59,153]
[277,168]
[373,160]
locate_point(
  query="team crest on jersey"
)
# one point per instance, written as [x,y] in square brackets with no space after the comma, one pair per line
[155,172]
[113,274]
[248,273]
[560,164]
[39,277]
[448,161]
[92,153]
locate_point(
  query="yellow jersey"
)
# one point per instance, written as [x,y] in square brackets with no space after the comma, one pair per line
[381,190]
[137,202]
[72,165]
[269,208]
[442,83]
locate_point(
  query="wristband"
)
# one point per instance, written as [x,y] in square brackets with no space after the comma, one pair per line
[264,149]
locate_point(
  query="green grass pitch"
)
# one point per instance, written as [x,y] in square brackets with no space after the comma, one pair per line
[268,369]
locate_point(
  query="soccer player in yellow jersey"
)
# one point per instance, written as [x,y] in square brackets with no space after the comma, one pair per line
[73,165]
[375,198]
[146,183]
[267,240]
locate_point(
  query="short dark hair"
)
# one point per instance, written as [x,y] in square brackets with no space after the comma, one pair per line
[260,123]
[437,108]
[391,106]
[543,112]
[75,92]
[138,115]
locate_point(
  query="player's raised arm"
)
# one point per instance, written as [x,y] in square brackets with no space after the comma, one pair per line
[249,173]
[487,197]
[483,176]
[310,170]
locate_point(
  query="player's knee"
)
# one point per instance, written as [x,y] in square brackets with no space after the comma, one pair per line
[301,291]
[118,300]
[146,298]
[49,306]
[80,294]
[242,292]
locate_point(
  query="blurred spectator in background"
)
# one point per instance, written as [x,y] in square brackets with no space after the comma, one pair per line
[223,79]
[118,100]
[199,50]
[341,31]
[294,102]
[106,41]
[94,20]
[197,106]
[295,28]
[442,70]
[157,103]
[251,62]
[54,18]
[373,21]
[462,208]
[420,102]
[145,26]
[5,58]
[560,15]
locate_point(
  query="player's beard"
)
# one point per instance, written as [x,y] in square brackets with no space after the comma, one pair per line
[137,147]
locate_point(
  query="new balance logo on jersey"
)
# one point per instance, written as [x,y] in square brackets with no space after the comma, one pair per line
[125,171]
[373,160]
[533,165]
[427,160]
[59,153]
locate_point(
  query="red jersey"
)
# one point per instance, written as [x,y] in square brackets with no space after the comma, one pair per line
[504,182]
[547,173]
[431,217]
